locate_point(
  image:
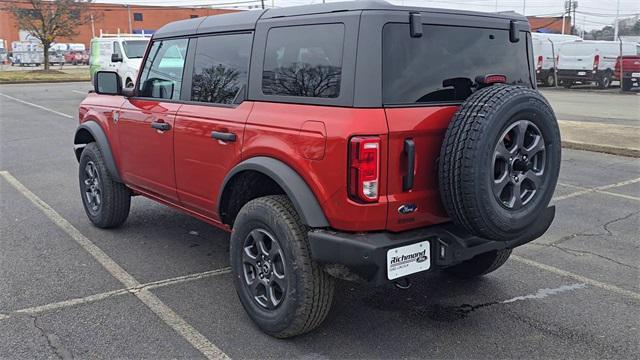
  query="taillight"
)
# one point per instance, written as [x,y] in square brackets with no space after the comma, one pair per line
[364,165]
[596,62]
[540,58]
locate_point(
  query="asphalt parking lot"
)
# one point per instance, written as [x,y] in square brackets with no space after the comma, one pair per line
[159,286]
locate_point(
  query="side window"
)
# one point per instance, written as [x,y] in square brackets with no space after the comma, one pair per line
[304,61]
[221,67]
[116,48]
[162,72]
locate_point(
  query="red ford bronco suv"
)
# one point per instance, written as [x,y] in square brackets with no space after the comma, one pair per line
[357,140]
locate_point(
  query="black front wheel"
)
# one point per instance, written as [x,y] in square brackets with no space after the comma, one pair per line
[282,289]
[106,202]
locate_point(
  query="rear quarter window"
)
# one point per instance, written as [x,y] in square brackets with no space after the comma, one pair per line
[440,66]
[304,61]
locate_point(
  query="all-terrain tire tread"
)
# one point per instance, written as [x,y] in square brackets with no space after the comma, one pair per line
[457,155]
[319,288]
[116,196]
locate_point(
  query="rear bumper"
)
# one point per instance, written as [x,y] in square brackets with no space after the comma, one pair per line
[578,75]
[365,254]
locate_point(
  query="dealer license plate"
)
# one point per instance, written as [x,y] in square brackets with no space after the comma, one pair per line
[635,74]
[410,259]
[582,73]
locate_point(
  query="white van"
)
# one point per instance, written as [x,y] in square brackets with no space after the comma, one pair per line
[121,53]
[591,61]
[545,51]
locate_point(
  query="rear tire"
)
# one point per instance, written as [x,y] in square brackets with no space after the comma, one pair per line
[106,202]
[605,81]
[480,265]
[281,288]
[551,79]
[626,85]
[499,161]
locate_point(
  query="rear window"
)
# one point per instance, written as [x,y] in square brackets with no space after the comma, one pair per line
[304,61]
[442,65]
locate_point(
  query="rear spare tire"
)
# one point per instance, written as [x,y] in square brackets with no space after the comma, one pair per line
[499,161]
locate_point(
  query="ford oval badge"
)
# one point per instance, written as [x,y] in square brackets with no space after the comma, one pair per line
[407,209]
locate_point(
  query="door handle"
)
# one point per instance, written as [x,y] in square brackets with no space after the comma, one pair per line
[224,136]
[410,151]
[160,126]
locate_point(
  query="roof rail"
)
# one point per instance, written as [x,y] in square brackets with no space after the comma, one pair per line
[119,34]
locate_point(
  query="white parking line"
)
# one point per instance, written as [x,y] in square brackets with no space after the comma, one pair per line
[80,92]
[168,316]
[97,297]
[36,106]
[611,288]
[598,189]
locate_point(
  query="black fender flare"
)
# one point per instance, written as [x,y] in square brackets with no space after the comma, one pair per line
[103,144]
[290,181]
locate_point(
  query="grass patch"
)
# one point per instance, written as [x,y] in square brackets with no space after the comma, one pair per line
[36,76]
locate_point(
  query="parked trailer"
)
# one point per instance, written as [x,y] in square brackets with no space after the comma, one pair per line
[4,58]
[26,53]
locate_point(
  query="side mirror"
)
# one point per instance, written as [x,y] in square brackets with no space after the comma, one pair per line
[107,83]
[116,58]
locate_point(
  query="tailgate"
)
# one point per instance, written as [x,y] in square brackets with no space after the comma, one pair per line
[425,128]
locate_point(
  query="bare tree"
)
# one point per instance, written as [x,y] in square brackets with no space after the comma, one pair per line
[48,20]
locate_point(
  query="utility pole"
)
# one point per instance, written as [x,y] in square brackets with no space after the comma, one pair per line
[93,27]
[616,26]
[574,5]
[129,17]
[262,1]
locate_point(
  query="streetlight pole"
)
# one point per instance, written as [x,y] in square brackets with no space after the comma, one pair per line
[616,27]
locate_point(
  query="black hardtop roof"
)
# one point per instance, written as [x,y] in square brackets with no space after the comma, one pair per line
[246,20]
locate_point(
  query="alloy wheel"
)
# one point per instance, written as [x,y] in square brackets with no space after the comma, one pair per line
[518,165]
[264,269]
[92,187]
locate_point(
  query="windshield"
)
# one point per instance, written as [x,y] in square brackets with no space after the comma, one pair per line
[442,65]
[135,48]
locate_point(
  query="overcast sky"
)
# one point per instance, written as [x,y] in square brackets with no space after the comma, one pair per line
[592,14]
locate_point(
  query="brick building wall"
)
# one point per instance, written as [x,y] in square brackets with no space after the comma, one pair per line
[111,17]
[550,24]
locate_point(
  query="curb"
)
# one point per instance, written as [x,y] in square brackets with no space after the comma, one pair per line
[607,149]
